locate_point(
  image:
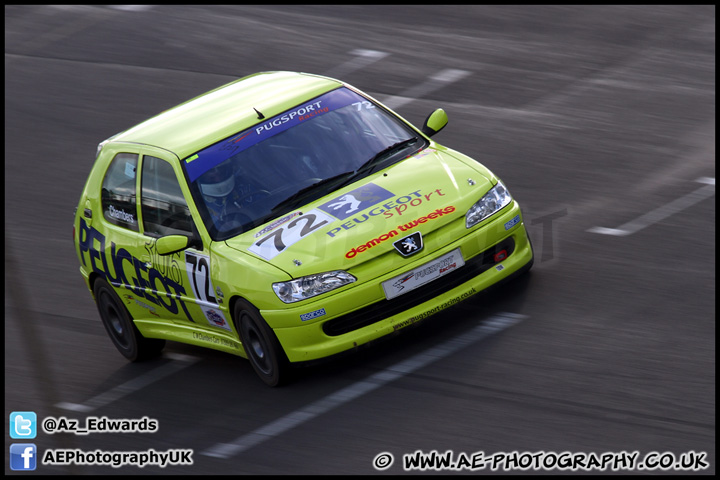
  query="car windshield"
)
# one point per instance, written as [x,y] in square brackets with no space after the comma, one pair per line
[293,158]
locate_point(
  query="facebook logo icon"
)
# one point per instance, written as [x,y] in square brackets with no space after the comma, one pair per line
[23,425]
[23,456]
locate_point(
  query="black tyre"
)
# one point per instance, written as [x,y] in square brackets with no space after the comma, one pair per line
[120,327]
[261,345]
[532,249]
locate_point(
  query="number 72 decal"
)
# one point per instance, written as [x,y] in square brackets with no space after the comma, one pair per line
[198,270]
[278,240]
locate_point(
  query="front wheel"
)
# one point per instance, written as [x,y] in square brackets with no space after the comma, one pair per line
[120,327]
[261,345]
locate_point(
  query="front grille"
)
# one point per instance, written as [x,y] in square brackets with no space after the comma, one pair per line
[387,308]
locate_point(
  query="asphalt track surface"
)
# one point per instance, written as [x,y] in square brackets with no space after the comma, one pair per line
[601,121]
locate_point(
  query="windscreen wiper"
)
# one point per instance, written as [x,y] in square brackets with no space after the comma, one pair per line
[383,154]
[344,178]
[377,159]
[303,192]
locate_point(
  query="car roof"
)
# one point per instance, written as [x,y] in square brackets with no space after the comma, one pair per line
[212,116]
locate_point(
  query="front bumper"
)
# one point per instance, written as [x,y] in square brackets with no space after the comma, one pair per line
[362,314]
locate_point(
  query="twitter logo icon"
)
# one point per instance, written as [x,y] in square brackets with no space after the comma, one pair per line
[23,425]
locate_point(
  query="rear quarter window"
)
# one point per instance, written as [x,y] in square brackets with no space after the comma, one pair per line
[119,192]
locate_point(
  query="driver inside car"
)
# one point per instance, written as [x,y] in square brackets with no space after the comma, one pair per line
[222,199]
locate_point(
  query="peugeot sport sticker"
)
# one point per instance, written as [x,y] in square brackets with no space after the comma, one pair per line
[356,201]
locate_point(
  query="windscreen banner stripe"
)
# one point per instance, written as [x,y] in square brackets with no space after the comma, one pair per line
[214,155]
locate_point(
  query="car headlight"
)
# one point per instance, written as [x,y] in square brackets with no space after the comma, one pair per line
[492,202]
[312,285]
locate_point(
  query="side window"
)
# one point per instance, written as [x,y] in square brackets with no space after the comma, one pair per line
[164,209]
[118,192]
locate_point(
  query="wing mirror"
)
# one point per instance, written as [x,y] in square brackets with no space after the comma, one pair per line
[171,244]
[175,243]
[435,122]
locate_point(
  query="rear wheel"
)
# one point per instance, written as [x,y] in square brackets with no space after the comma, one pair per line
[120,327]
[261,345]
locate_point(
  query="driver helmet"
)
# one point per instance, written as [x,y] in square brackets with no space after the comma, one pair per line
[217,182]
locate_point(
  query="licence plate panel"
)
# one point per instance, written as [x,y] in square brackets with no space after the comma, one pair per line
[423,274]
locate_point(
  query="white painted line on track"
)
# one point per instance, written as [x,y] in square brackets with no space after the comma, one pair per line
[661,213]
[618,232]
[283,424]
[362,59]
[179,362]
[439,80]
[706,180]
[132,8]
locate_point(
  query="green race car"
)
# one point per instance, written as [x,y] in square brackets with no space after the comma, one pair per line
[287,217]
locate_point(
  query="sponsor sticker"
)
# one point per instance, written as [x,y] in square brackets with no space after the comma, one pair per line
[160,284]
[403,228]
[423,274]
[121,215]
[312,315]
[215,318]
[211,338]
[512,222]
[277,223]
[129,299]
[393,208]
[285,235]
[356,201]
